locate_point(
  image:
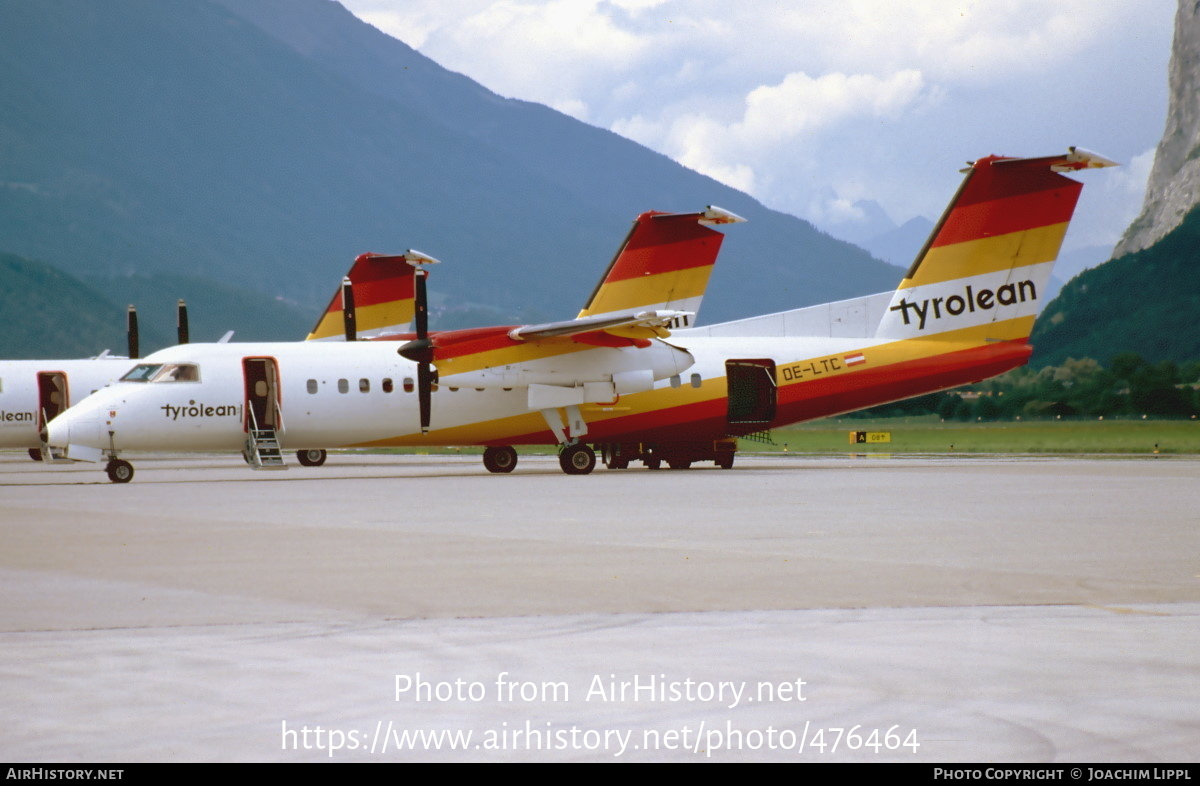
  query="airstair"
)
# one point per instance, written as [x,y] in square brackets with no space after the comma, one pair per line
[262,447]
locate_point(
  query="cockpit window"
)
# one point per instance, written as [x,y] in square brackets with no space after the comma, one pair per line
[177,372]
[141,372]
[163,372]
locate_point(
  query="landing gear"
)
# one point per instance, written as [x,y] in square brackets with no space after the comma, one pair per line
[311,458]
[577,459]
[119,471]
[612,457]
[500,459]
[676,455]
[35,454]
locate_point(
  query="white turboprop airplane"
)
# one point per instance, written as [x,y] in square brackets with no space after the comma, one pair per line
[34,392]
[962,313]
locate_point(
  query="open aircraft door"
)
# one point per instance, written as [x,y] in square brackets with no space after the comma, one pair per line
[53,396]
[751,394]
[263,419]
[261,377]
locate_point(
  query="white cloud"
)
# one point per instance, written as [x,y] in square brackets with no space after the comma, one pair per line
[812,106]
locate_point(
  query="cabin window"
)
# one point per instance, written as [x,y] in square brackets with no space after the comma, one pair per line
[386,386]
[696,380]
[343,386]
[676,381]
[364,386]
[408,385]
[312,386]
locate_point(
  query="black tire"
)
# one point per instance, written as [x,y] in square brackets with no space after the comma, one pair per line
[577,459]
[311,458]
[119,471]
[652,463]
[35,454]
[500,459]
[725,462]
[680,464]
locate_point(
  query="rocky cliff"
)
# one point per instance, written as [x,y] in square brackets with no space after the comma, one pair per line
[1174,186]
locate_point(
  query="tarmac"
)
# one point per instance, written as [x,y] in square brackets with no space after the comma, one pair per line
[416,608]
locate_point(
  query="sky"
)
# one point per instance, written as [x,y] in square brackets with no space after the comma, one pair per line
[816,107]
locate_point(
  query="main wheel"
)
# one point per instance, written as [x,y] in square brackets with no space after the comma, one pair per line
[500,459]
[35,454]
[119,471]
[680,464]
[311,458]
[577,459]
[652,463]
[725,462]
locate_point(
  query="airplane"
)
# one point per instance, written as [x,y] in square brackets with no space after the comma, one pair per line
[34,392]
[632,382]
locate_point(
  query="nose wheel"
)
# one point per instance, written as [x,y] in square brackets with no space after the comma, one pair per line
[119,471]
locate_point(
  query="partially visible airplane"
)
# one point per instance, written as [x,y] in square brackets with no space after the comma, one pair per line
[611,378]
[34,392]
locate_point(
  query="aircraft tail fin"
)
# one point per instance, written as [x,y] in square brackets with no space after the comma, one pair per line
[663,265]
[383,298]
[987,263]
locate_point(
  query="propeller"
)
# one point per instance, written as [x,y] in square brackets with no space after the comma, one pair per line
[181,321]
[349,319]
[420,349]
[131,332]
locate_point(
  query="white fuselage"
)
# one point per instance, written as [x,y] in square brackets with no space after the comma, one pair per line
[20,397]
[362,393]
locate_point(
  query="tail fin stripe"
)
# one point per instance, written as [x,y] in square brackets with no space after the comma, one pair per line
[1010,214]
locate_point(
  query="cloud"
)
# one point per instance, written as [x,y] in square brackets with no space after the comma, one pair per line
[813,106]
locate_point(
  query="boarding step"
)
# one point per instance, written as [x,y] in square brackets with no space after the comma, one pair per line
[763,437]
[263,451]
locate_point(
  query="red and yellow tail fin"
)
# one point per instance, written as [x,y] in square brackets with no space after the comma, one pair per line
[664,264]
[383,299]
[988,261]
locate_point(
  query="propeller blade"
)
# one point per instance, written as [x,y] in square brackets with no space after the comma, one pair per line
[181,321]
[425,377]
[131,331]
[349,318]
[420,305]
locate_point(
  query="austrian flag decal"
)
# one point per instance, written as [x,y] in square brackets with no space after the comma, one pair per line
[855,359]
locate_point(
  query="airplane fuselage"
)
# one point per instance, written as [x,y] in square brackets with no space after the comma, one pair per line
[32,389]
[361,394]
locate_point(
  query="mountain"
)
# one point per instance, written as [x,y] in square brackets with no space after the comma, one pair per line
[900,246]
[261,144]
[1174,184]
[42,306]
[1145,302]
